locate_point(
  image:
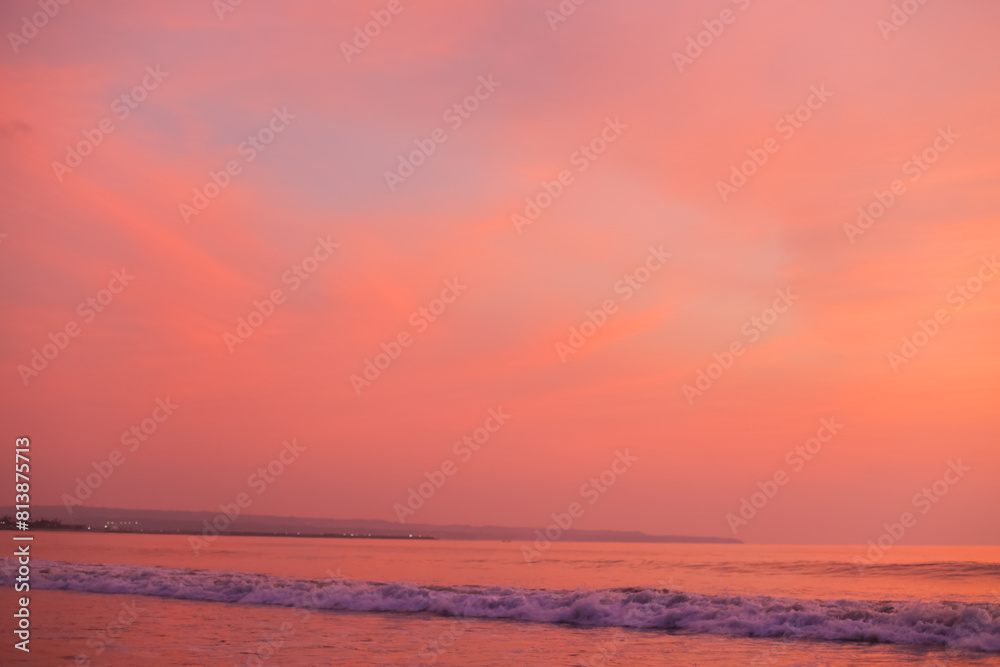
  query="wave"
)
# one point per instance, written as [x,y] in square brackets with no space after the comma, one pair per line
[974,626]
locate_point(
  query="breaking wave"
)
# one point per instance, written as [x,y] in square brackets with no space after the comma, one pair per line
[963,625]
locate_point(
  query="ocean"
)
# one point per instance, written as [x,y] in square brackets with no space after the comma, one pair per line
[131,599]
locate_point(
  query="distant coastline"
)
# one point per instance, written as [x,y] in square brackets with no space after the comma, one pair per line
[166,522]
[46,526]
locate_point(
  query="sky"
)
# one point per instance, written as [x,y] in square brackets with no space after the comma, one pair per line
[746,249]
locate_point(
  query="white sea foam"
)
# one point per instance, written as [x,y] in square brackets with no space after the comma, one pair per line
[953,624]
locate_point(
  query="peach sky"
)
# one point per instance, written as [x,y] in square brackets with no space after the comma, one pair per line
[496,344]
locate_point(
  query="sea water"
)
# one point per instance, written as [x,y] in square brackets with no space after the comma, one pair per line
[129,599]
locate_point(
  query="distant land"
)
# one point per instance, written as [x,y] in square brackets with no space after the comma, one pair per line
[106,519]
